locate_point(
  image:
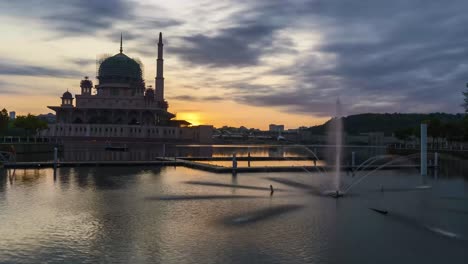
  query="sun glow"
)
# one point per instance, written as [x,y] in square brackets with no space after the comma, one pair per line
[192,117]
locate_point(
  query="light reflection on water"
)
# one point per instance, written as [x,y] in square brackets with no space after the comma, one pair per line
[260,163]
[103,214]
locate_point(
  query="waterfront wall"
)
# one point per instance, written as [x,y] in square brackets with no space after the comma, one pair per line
[198,134]
[22,147]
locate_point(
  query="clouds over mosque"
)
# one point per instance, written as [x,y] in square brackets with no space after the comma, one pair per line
[299,56]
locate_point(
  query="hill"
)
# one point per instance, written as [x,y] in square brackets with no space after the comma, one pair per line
[387,123]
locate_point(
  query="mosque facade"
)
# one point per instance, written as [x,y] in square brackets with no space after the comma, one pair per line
[121,107]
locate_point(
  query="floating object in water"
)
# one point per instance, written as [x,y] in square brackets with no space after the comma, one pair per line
[423,187]
[260,215]
[334,193]
[271,190]
[442,232]
[384,212]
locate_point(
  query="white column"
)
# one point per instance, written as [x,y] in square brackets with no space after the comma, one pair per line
[423,149]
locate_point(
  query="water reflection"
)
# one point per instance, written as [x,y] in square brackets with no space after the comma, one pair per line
[168,215]
[96,151]
[83,177]
[4,176]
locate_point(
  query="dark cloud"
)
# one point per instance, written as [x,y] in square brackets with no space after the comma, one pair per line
[251,32]
[86,16]
[383,56]
[376,55]
[143,36]
[197,98]
[236,46]
[8,88]
[80,17]
[22,69]
[82,62]
[153,25]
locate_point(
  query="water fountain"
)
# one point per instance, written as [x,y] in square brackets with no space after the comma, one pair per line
[335,140]
[334,153]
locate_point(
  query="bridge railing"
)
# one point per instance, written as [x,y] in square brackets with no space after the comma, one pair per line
[24,140]
[460,146]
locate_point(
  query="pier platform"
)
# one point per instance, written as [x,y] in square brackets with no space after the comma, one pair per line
[194,164]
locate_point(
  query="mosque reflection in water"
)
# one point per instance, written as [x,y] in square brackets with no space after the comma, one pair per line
[94,151]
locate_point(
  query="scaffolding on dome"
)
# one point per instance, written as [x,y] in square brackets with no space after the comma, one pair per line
[142,67]
[99,59]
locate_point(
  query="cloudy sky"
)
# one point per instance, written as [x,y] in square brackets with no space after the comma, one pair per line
[242,62]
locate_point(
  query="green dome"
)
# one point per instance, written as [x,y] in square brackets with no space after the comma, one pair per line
[67,95]
[119,68]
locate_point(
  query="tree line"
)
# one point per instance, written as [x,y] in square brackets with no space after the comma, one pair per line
[23,125]
[440,131]
[393,123]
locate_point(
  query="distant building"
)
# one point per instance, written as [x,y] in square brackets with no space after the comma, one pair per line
[49,118]
[12,115]
[276,128]
[122,108]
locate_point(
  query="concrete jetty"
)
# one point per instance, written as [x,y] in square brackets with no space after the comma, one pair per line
[194,163]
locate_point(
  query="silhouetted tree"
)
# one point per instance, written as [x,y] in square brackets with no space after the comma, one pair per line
[387,123]
[434,130]
[4,119]
[465,127]
[453,131]
[30,123]
[404,134]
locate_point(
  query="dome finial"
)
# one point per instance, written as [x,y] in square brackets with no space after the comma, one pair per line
[121,49]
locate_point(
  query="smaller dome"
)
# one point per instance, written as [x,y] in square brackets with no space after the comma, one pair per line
[67,95]
[149,92]
[86,83]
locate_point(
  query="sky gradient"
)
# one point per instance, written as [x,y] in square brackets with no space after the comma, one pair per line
[242,62]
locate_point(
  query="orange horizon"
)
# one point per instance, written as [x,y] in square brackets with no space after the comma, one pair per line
[197,113]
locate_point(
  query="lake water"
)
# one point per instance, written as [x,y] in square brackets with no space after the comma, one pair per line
[181,215]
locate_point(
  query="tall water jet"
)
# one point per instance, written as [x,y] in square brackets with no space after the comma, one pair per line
[335,141]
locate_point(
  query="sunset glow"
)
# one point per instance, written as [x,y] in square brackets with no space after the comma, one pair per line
[242,63]
[193,118]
